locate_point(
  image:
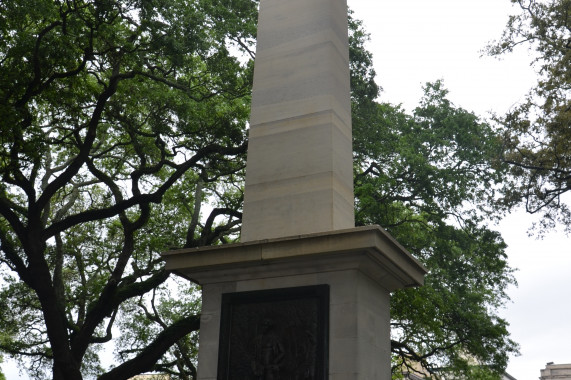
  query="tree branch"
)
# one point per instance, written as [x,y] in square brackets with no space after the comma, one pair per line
[155,197]
[147,358]
[85,148]
[12,255]
[111,297]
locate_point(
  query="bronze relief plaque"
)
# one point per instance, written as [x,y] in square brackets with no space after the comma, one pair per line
[276,334]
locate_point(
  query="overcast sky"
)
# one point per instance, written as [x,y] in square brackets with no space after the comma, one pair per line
[416,41]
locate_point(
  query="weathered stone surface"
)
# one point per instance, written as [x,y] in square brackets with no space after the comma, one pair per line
[299,172]
[369,249]
[360,265]
[298,221]
[359,343]
[556,371]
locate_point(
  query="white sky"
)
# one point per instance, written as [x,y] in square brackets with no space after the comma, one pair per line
[416,41]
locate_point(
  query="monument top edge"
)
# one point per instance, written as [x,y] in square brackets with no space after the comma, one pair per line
[366,238]
[346,231]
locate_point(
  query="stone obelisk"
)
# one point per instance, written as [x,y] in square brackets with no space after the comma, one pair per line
[304,295]
[299,175]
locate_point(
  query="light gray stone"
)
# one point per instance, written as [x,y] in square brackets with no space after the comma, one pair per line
[556,371]
[369,249]
[360,265]
[298,219]
[299,175]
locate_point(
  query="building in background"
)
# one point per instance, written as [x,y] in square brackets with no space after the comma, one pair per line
[443,376]
[556,371]
[151,376]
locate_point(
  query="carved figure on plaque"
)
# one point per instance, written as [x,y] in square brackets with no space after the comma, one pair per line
[269,353]
[278,334]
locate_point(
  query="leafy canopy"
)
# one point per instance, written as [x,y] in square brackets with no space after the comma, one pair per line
[122,120]
[2,377]
[537,132]
[111,112]
[429,178]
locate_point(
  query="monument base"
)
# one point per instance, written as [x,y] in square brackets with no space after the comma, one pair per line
[354,270]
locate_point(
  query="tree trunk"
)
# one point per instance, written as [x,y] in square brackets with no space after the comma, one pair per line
[64,366]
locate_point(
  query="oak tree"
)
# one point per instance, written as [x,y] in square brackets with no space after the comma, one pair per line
[537,132]
[430,178]
[109,110]
[122,120]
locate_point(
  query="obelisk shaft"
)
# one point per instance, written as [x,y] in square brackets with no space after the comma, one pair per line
[299,181]
[299,176]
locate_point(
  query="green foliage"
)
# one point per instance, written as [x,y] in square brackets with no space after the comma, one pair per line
[119,119]
[123,132]
[537,132]
[2,377]
[150,316]
[429,178]
[439,161]
[363,87]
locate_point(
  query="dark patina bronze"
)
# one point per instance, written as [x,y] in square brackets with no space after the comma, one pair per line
[277,334]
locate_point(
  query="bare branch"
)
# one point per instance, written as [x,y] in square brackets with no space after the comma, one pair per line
[147,358]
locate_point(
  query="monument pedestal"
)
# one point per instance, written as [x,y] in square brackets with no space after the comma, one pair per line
[305,296]
[358,267]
